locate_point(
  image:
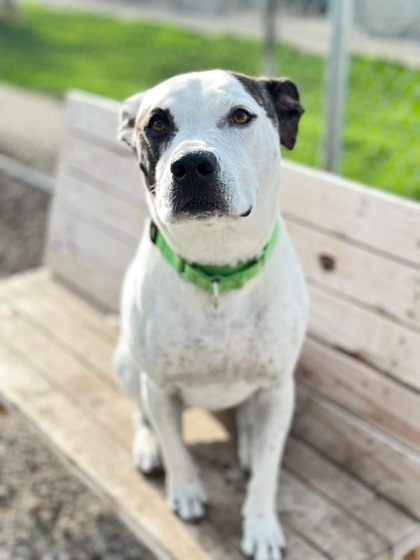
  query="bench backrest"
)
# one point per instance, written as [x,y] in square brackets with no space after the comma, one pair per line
[359,376]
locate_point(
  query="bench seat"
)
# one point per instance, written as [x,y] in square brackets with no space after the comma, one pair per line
[55,355]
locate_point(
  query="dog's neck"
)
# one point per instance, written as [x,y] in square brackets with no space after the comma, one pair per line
[223,243]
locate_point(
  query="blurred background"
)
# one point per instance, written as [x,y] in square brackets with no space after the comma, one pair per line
[357,66]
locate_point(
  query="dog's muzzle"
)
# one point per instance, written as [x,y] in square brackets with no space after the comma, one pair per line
[196,185]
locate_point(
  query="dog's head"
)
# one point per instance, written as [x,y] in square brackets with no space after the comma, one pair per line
[208,142]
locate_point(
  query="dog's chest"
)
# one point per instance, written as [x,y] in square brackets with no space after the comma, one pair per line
[216,357]
[211,359]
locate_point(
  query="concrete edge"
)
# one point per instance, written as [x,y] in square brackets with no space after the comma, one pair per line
[26,174]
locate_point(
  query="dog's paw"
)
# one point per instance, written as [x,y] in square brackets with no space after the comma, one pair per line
[187,498]
[263,538]
[146,454]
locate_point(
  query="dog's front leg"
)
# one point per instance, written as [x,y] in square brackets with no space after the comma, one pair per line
[185,491]
[272,411]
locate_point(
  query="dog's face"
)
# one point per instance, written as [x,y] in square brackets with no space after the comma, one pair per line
[208,142]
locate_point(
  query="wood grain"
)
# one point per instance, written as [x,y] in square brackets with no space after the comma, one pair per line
[362,390]
[33,347]
[370,337]
[370,455]
[38,332]
[385,286]
[376,220]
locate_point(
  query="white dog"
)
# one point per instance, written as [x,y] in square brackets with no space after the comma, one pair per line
[214,305]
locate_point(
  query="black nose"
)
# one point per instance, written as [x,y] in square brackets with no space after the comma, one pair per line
[194,167]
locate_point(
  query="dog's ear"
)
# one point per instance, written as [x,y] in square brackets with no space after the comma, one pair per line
[128,113]
[285,97]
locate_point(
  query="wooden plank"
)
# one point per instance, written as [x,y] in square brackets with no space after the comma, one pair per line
[96,117]
[95,395]
[103,166]
[326,525]
[43,285]
[386,466]
[377,220]
[344,490]
[385,285]
[114,479]
[362,390]
[103,207]
[90,283]
[370,457]
[75,259]
[91,347]
[85,237]
[300,509]
[95,398]
[373,339]
[20,282]
[98,391]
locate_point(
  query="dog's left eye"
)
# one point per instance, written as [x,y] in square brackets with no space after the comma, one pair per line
[158,123]
[240,116]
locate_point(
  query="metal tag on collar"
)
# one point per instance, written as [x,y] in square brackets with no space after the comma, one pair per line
[216,292]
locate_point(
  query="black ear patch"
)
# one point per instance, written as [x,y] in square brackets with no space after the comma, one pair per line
[285,97]
[280,99]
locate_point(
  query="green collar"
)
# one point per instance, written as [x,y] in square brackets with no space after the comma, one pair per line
[214,279]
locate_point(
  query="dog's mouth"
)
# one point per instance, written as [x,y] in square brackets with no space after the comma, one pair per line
[198,205]
[247,213]
[198,208]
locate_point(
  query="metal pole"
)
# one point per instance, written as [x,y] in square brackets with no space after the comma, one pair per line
[9,10]
[269,66]
[341,14]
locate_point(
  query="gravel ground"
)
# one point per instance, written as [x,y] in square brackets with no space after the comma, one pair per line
[48,514]
[45,512]
[23,218]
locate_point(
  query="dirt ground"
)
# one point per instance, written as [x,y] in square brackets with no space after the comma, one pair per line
[45,512]
[23,219]
[48,514]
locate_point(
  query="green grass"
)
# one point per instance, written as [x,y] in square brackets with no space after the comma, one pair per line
[53,51]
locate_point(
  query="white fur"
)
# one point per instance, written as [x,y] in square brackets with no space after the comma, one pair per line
[176,349]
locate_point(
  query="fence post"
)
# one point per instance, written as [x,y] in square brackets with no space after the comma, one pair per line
[269,62]
[341,17]
[9,10]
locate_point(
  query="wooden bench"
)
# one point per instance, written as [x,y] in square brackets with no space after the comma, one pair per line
[350,487]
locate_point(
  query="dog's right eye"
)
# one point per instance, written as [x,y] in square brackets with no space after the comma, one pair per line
[240,117]
[158,123]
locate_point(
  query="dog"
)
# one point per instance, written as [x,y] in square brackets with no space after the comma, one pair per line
[214,305]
